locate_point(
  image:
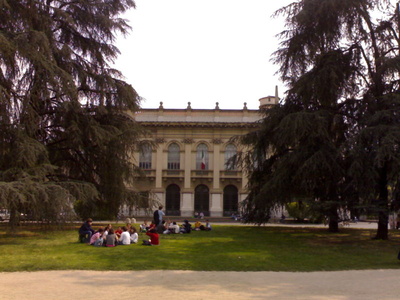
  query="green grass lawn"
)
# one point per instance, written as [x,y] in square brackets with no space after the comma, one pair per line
[226,248]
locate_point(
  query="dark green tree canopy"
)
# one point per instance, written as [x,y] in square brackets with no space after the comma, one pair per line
[57,51]
[63,127]
[335,136]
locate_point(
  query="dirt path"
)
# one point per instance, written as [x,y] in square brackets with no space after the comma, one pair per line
[188,285]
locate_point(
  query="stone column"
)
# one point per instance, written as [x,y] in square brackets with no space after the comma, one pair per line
[244,180]
[159,163]
[187,205]
[217,163]
[188,162]
[216,204]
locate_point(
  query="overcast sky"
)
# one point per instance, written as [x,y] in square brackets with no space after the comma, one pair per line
[202,52]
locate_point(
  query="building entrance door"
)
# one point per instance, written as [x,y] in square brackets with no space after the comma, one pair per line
[202,199]
[173,200]
[230,200]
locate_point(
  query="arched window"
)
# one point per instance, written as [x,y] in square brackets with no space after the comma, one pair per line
[173,157]
[202,157]
[202,199]
[230,152]
[145,154]
[231,198]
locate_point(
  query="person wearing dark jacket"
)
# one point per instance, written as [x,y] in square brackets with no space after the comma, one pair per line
[86,230]
[186,227]
[158,215]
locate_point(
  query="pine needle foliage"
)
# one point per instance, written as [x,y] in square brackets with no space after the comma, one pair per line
[334,138]
[64,136]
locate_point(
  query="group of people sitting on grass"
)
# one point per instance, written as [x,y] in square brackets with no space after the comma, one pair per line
[128,234]
[171,227]
[107,236]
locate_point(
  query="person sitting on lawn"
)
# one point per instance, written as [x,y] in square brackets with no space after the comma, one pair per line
[154,238]
[128,226]
[167,226]
[207,227]
[161,227]
[152,226]
[118,232]
[144,227]
[197,225]
[125,238]
[167,223]
[174,228]
[106,230]
[86,230]
[111,239]
[97,239]
[186,227]
[134,235]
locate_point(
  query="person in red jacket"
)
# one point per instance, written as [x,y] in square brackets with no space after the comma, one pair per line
[154,238]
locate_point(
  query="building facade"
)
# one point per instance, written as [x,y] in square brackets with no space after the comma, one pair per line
[187,158]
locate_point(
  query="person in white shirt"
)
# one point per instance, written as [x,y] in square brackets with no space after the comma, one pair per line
[134,235]
[173,228]
[125,238]
[106,230]
[144,226]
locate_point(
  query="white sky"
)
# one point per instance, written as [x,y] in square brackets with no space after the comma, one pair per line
[202,52]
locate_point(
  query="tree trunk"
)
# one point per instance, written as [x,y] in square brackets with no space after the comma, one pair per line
[333,219]
[383,232]
[13,222]
[333,225]
[383,220]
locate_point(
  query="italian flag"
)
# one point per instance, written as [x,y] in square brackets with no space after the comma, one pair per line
[203,161]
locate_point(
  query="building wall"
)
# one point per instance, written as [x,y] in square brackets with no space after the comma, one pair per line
[189,128]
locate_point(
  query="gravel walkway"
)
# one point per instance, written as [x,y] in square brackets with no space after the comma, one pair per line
[188,285]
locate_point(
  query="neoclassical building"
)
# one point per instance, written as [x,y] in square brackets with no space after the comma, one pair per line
[186,159]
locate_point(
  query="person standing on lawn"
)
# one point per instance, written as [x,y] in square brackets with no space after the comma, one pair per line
[158,216]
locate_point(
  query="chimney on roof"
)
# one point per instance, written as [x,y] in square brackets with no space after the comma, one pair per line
[265,102]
